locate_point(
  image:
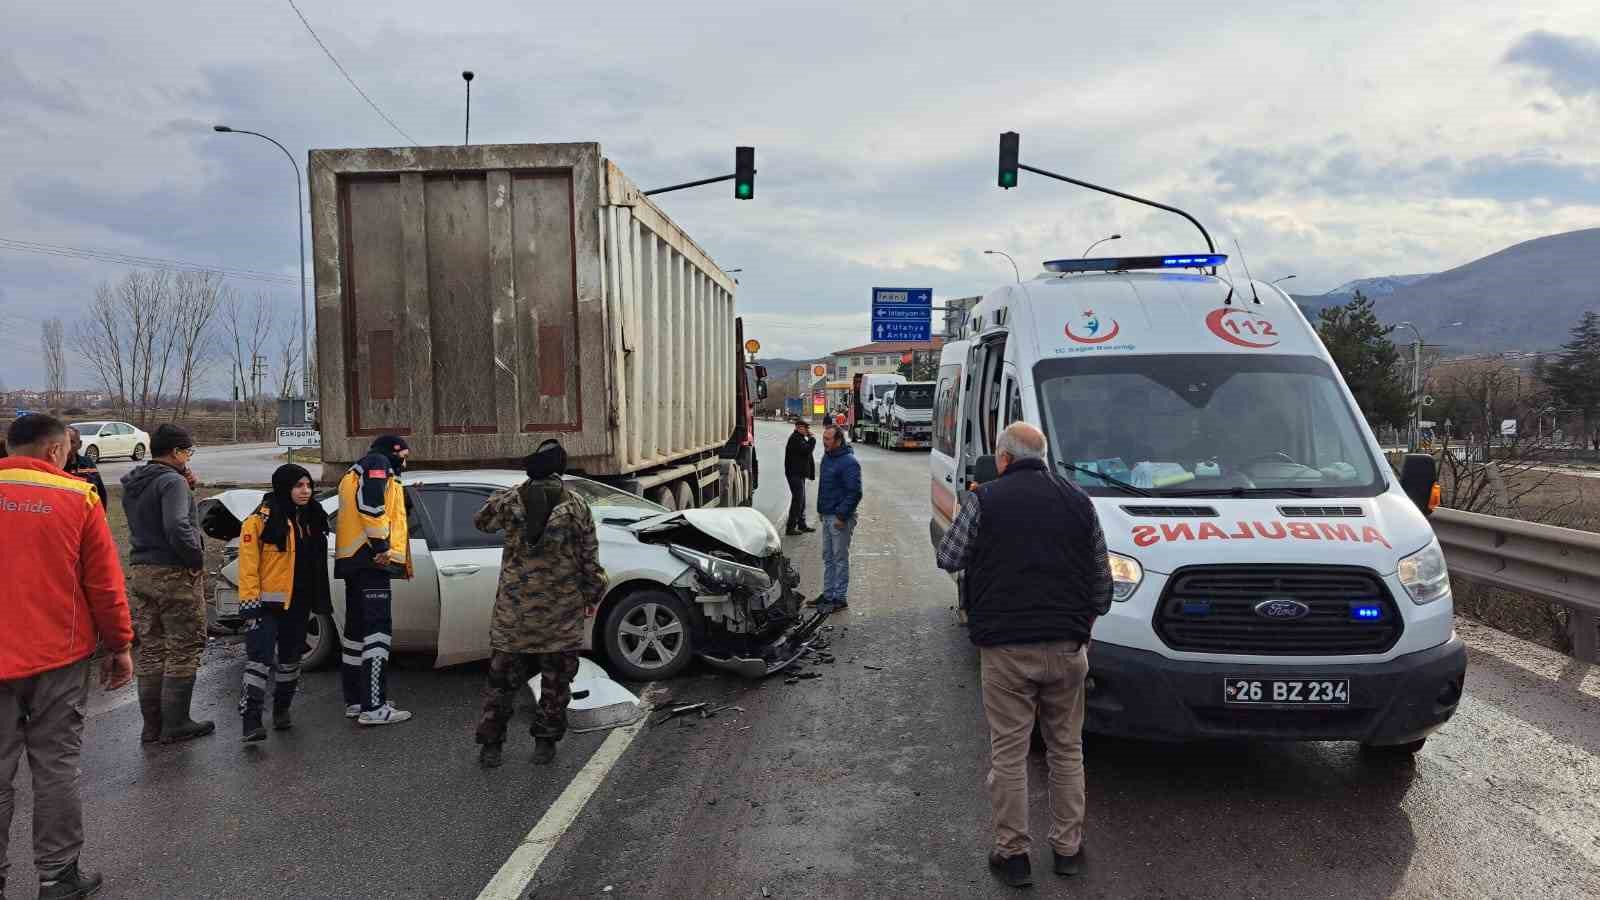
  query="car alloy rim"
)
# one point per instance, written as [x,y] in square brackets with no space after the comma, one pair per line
[314,637]
[651,636]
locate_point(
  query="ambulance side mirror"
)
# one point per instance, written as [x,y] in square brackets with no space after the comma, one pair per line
[984,470]
[1419,473]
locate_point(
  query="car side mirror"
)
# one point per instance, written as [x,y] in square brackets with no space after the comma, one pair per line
[761,372]
[984,470]
[761,390]
[1419,476]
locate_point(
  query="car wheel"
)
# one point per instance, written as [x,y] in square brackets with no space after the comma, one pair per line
[138,452]
[92,454]
[648,636]
[322,642]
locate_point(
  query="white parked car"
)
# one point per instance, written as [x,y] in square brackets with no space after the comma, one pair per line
[711,583]
[104,440]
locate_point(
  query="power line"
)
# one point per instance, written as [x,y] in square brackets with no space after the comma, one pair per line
[128,259]
[346,75]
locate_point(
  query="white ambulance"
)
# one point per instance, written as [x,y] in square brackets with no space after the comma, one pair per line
[1273,578]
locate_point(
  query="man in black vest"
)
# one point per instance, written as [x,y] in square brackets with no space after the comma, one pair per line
[1036,578]
[799,466]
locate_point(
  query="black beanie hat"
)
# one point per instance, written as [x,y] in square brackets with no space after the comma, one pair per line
[549,459]
[169,438]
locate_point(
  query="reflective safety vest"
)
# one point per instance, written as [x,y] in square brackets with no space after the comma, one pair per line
[266,574]
[372,519]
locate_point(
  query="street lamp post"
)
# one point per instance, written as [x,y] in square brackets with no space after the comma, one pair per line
[300,229]
[1014,270]
[1416,383]
[1112,237]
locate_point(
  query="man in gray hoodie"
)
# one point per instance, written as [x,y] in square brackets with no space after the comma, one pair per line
[169,612]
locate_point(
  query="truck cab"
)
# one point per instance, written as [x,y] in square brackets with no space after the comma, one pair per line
[1273,578]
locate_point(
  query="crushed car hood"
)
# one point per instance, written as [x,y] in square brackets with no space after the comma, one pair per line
[742,528]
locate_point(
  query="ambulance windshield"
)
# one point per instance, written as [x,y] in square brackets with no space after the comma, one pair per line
[1197,424]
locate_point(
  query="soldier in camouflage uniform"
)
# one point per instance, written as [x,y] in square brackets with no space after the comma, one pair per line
[549,573]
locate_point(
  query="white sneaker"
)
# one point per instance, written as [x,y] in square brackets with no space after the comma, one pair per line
[384,715]
[353,710]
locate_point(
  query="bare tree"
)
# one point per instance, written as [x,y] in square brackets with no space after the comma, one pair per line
[100,339]
[288,363]
[197,296]
[247,327]
[55,362]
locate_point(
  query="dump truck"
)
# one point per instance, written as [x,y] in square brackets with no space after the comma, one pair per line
[478,300]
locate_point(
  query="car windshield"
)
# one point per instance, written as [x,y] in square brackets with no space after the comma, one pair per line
[614,503]
[916,396]
[1197,424]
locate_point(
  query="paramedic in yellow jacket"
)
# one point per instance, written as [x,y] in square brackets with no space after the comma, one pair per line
[283,579]
[372,547]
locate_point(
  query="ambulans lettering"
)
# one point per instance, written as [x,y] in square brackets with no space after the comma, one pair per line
[1150,535]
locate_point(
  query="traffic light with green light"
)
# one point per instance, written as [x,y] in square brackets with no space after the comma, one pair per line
[744,173]
[1008,159]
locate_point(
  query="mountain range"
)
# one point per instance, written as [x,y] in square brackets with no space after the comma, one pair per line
[1524,298]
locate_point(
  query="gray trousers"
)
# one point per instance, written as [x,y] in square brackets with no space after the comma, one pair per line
[43,714]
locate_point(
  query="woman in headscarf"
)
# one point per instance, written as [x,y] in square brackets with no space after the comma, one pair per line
[283,578]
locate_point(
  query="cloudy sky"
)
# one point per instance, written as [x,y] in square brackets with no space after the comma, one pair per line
[1331,140]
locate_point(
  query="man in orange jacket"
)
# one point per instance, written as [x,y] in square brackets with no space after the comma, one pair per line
[62,590]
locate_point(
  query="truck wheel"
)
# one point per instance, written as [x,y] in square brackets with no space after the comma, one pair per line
[322,642]
[649,636]
[684,495]
[662,495]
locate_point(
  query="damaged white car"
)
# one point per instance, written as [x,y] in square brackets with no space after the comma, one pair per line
[711,583]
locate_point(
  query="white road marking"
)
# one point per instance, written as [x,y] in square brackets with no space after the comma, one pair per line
[517,873]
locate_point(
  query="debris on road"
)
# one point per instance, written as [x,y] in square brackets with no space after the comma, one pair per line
[598,703]
[873,668]
[677,711]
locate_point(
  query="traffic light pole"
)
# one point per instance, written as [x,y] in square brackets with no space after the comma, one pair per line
[1115,193]
[690,184]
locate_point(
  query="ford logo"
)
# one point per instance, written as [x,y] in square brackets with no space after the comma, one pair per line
[1282,608]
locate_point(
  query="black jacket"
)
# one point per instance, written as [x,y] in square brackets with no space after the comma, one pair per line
[79,466]
[162,525]
[798,461]
[1038,571]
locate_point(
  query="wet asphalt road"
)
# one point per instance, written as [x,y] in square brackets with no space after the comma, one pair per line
[219,466]
[864,782]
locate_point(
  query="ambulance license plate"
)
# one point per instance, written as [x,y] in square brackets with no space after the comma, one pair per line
[1237,691]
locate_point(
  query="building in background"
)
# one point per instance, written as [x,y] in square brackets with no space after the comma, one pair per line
[879,357]
[956,310]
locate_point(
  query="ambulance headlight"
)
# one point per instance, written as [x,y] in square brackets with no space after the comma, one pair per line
[1126,573]
[1425,575]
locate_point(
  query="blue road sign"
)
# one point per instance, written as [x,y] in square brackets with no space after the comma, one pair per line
[902,314]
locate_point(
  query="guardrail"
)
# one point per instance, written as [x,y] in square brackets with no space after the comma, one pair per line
[1557,564]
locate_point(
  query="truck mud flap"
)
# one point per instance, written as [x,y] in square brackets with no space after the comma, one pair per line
[781,654]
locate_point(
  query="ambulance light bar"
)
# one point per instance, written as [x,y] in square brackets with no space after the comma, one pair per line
[1123,263]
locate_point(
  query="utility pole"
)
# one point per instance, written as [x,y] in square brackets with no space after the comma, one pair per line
[236,407]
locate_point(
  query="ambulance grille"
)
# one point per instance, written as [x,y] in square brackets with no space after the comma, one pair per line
[1212,609]
[1322,512]
[1172,512]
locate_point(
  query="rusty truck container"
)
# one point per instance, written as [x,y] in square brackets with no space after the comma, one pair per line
[477,300]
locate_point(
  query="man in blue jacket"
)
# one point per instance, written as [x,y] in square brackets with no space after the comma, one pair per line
[838,495]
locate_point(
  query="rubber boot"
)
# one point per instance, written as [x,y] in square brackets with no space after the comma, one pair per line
[176,726]
[150,708]
[281,720]
[253,729]
[544,752]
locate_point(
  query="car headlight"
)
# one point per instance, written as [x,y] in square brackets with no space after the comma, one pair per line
[1126,573]
[1425,575]
[722,572]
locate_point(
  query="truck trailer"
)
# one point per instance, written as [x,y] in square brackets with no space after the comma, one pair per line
[478,300]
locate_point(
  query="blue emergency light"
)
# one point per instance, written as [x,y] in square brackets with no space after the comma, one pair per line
[1366,612]
[1124,263]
